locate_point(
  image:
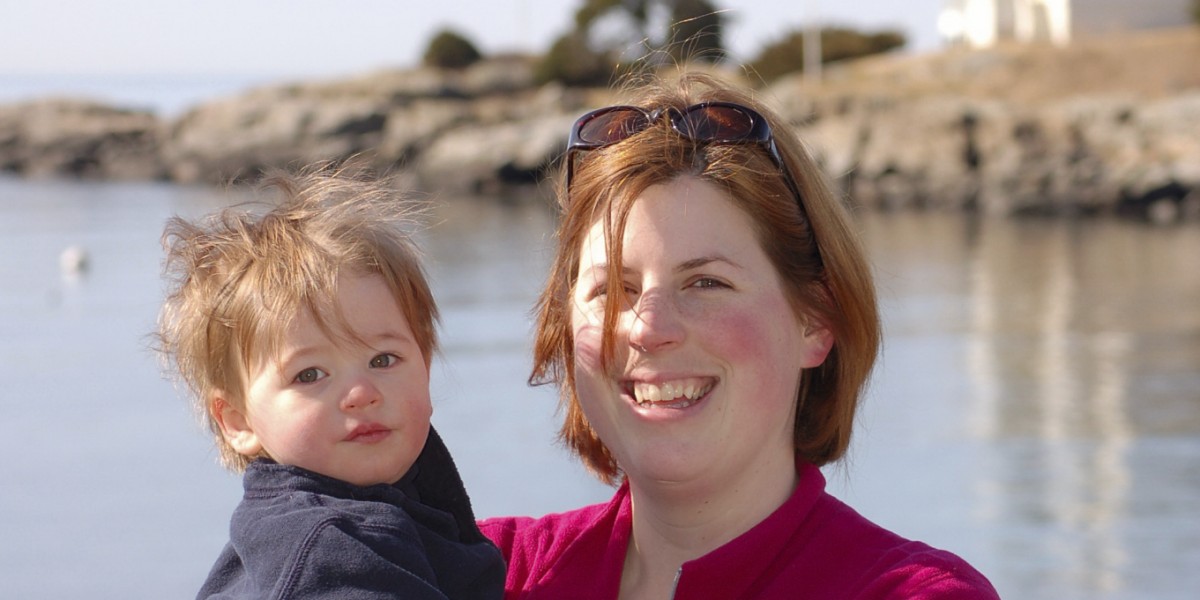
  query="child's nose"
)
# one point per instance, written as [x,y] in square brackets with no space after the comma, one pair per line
[362,393]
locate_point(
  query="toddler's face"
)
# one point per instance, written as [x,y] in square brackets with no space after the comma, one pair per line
[352,412]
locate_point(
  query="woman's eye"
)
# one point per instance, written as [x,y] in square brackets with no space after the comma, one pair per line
[599,290]
[384,361]
[310,375]
[708,282]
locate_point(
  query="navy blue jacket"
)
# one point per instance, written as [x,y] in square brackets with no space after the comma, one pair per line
[299,534]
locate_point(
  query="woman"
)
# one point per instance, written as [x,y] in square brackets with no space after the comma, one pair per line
[710,320]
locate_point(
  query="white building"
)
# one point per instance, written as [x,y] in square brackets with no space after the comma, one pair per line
[982,23]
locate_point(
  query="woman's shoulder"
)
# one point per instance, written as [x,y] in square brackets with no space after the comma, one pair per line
[533,533]
[890,565]
[580,547]
[921,571]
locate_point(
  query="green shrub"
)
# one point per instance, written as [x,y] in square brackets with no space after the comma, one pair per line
[787,55]
[842,44]
[570,61]
[450,50]
[695,31]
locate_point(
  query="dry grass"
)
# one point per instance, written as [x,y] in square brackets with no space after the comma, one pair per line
[1146,64]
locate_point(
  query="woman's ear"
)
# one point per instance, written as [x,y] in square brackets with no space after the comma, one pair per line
[235,426]
[817,341]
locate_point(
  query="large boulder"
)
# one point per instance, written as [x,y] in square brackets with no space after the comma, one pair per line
[484,158]
[272,127]
[79,138]
[1011,130]
[385,118]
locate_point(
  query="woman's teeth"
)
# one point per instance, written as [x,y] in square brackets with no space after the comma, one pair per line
[676,394]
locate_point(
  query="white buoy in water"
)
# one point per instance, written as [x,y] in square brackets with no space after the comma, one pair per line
[73,260]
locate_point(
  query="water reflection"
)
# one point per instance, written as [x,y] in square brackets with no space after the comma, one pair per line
[1063,326]
[1077,390]
[1036,408]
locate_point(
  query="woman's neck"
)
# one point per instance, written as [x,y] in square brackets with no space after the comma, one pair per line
[677,522]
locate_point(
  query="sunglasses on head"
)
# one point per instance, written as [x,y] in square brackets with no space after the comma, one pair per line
[706,122]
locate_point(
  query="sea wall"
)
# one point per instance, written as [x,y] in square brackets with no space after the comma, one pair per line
[894,132]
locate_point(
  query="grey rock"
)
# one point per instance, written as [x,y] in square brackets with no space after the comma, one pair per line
[892,139]
[79,138]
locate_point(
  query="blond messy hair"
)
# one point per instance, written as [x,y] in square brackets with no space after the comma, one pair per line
[238,278]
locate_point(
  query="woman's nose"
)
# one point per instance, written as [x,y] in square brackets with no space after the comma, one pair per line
[362,393]
[656,323]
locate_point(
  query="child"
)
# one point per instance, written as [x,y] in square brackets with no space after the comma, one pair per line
[305,335]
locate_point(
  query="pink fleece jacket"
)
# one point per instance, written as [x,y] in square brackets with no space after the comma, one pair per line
[813,546]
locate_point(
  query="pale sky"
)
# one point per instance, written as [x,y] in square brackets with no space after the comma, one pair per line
[290,38]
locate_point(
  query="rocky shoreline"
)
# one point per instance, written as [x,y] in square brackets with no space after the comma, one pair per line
[1106,126]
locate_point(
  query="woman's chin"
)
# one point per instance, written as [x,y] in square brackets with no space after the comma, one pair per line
[669,468]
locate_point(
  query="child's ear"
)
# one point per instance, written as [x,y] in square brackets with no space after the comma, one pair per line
[235,426]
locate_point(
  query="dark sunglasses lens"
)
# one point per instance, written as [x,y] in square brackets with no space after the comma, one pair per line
[717,123]
[612,126]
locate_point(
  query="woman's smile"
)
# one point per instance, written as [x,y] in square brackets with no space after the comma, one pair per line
[678,393]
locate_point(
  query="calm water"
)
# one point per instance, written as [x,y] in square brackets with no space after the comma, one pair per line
[1036,409]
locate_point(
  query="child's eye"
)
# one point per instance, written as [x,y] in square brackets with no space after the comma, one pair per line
[310,375]
[384,361]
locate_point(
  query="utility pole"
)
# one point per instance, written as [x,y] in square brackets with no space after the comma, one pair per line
[812,41]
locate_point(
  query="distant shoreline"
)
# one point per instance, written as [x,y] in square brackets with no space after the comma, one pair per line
[164,94]
[1107,125]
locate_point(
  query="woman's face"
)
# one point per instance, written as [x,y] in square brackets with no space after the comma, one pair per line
[708,349]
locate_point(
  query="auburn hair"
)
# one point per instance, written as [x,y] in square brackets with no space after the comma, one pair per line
[810,241]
